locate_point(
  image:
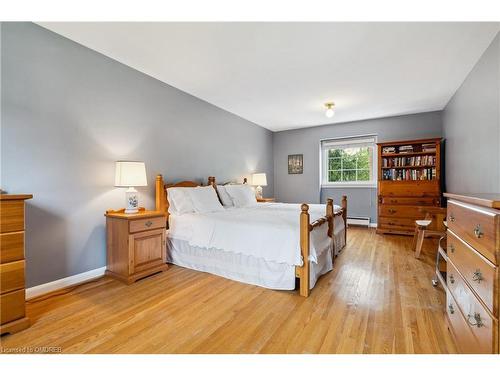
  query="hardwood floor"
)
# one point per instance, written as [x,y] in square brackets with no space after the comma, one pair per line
[378,299]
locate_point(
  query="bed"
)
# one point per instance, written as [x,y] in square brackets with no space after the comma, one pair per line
[266,244]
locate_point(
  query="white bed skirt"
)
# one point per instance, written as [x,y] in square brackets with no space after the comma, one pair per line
[245,268]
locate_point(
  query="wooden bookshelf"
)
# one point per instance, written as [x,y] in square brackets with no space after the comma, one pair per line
[409,179]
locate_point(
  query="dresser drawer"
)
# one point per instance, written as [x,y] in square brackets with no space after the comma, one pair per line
[479,321]
[478,226]
[11,247]
[424,188]
[12,306]
[389,222]
[479,273]
[147,224]
[464,339]
[11,276]
[11,216]
[400,211]
[411,201]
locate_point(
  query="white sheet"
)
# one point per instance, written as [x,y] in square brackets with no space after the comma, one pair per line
[269,231]
[243,268]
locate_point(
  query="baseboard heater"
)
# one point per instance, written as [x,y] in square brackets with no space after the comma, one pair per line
[358,220]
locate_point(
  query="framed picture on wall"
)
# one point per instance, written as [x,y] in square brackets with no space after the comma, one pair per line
[296,164]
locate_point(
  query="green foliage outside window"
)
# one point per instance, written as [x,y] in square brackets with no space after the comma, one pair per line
[349,164]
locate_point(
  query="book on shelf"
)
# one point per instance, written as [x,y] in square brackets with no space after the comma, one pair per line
[414,161]
[429,147]
[409,174]
[389,150]
[405,149]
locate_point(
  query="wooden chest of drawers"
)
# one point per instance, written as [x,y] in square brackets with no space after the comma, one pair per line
[12,263]
[136,245]
[473,247]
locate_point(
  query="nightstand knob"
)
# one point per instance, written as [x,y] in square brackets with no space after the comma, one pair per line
[148,223]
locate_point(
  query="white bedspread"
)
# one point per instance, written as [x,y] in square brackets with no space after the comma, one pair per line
[268,230]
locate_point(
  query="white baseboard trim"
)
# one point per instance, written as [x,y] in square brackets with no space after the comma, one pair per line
[63,283]
[373,225]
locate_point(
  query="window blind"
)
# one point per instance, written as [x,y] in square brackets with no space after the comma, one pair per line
[343,143]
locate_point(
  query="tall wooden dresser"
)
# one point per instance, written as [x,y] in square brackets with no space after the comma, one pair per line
[409,179]
[472,278]
[12,263]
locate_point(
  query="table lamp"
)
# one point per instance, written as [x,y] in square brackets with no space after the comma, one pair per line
[259,180]
[130,174]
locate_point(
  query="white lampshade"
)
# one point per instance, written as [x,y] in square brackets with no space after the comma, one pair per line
[130,173]
[259,179]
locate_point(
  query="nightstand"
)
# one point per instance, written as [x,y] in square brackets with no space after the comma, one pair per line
[265,200]
[135,244]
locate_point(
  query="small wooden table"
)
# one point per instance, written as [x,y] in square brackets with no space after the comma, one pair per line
[264,200]
[136,244]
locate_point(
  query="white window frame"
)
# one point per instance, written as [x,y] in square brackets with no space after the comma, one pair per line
[361,141]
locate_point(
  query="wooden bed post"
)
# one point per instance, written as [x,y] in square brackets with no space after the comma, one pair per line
[329,215]
[344,216]
[304,247]
[161,203]
[211,182]
[331,224]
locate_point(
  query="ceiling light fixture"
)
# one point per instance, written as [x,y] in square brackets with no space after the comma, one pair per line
[329,109]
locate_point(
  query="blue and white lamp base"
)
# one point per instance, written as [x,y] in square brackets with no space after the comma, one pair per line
[132,201]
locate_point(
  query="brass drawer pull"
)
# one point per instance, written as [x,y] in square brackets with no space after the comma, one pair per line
[477,276]
[452,279]
[451,309]
[148,223]
[452,218]
[477,231]
[452,248]
[392,211]
[477,318]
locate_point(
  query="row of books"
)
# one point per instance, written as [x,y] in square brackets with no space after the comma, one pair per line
[429,147]
[406,149]
[415,161]
[409,174]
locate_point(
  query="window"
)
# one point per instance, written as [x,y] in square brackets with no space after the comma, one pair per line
[348,161]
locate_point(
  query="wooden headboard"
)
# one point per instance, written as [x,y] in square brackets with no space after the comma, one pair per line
[161,191]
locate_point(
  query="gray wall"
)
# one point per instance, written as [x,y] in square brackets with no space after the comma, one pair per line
[471,125]
[68,113]
[306,187]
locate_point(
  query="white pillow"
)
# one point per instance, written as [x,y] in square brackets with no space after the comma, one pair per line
[241,195]
[224,196]
[205,200]
[179,201]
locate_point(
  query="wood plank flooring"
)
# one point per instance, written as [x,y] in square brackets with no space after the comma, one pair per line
[378,299]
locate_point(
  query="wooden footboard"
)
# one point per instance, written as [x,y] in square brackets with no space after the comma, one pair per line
[306,227]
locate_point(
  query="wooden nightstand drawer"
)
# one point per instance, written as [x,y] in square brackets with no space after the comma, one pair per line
[11,247]
[478,226]
[147,224]
[12,276]
[12,306]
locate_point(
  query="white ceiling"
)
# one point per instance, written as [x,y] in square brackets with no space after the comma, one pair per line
[278,75]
